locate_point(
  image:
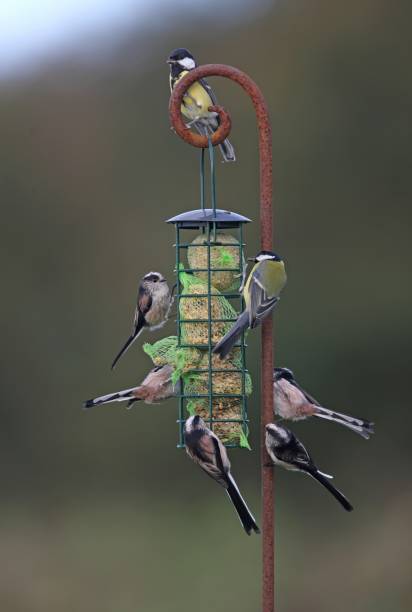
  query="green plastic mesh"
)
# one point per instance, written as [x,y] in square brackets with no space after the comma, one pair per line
[222,255]
[167,352]
[163,351]
[223,382]
[197,308]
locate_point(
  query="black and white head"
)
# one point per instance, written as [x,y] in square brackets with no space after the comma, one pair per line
[277,435]
[151,279]
[282,373]
[194,423]
[182,58]
[267,255]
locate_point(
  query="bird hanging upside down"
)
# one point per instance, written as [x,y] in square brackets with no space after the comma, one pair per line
[205,448]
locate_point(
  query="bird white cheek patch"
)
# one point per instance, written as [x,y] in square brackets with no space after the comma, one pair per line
[187,63]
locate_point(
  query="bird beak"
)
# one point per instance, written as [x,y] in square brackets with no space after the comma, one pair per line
[251,259]
[169,61]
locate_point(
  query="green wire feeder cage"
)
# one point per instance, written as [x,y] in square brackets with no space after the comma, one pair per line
[209,272]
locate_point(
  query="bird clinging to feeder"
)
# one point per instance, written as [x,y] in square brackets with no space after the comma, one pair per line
[156,387]
[205,448]
[261,294]
[154,300]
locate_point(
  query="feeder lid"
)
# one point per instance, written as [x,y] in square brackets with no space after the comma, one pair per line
[194,218]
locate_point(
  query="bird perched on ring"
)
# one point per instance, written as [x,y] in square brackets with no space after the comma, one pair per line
[154,300]
[286,450]
[291,402]
[205,448]
[156,387]
[197,100]
[261,294]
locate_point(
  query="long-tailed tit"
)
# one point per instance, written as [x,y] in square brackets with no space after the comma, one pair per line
[291,402]
[154,300]
[157,386]
[286,450]
[205,448]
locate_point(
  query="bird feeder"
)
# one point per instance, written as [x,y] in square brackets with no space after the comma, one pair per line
[209,271]
[209,224]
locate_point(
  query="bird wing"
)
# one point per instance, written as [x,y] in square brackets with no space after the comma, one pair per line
[310,398]
[222,460]
[144,303]
[295,453]
[207,454]
[212,96]
[209,90]
[158,375]
[260,303]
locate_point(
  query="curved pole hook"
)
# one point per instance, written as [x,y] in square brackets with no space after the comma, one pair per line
[265,154]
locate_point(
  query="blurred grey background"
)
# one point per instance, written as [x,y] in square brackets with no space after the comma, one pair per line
[99,510]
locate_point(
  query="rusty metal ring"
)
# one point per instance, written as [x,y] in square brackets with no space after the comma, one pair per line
[196,140]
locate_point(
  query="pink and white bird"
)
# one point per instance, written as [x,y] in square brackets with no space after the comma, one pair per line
[293,403]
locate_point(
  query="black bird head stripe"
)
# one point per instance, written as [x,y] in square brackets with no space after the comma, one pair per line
[281,435]
[279,373]
[180,54]
[154,277]
[267,255]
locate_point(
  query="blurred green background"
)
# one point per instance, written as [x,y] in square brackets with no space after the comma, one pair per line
[99,511]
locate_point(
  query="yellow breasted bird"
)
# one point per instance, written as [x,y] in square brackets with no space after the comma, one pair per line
[261,294]
[197,100]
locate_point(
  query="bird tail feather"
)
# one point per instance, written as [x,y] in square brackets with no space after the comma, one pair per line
[224,346]
[360,426]
[332,489]
[227,151]
[244,514]
[226,147]
[120,396]
[325,475]
[127,345]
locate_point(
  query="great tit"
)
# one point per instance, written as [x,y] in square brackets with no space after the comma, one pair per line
[205,448]
[156,387]
[261,294]
[197,100]
[154,300]
[291,402]
[286,450]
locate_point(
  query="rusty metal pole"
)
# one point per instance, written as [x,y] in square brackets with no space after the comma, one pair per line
[266,226]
